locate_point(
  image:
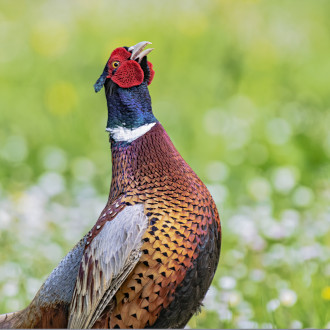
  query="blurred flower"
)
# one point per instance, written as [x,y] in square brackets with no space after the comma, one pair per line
[10,289]
[311,252]
[244,227]
[218,192]
[239,136]
[258,243]
[273,229]
[278,131]
[288,297]
[245,309]
[267,326]
[303,196]
[284,179]
[30,208]
[32,286]
[295,324]
[326,270]
[224,314]
[257,275]
[4,219]
[9,270]
[83,169]
[259,188]
[239,271]
[233,129]
[272,305]
[325,294]
[217,171]
[210,300]
[13,304]
[234,298]
[216,121]
[247,324]
[54,159]
[15,149]
[227,282]
[52,183]
[53,252]
[290,221]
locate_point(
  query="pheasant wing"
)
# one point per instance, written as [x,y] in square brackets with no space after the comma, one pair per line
[108,259]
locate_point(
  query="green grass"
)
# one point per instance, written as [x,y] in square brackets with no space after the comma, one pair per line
[242,89]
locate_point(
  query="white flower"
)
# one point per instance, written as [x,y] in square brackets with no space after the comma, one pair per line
[54,159]
[267,326]
[4,219]
[10,289]
[15,149]
[210,301]
[52,183]
[257,275]
[217,171]
[303,196]
[259,188]
[218,192]
[278,131]
[272,305]
[32,287]
[274,230]
[234,298]
[227,282]
[284,179]
[311,251]
[296,325]
[288,297]
[247,324]
[225,314]
[83,169]
[290,222]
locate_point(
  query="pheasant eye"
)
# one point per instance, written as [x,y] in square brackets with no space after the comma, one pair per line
[115,64]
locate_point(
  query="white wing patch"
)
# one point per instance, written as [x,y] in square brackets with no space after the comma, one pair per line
[105,265]
[128,135]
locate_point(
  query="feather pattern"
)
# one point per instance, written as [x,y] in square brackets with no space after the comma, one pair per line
[181,246]
[106,262]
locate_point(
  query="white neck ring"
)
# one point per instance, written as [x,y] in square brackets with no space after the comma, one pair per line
[123,134]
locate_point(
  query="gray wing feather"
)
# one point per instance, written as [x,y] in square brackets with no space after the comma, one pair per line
[105,265]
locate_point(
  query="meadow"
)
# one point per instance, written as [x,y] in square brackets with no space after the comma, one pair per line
[242,88]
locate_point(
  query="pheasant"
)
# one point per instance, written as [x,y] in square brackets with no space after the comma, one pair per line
[152,254]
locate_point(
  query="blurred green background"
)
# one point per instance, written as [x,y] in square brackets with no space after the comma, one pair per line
[242,87]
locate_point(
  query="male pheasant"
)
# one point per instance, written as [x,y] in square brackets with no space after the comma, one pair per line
[151,256]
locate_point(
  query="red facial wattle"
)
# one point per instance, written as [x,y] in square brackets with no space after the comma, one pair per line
[152,72]
[128,74]
[125,72]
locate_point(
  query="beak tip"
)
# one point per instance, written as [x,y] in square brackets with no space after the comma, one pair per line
[137,50]
[138,45]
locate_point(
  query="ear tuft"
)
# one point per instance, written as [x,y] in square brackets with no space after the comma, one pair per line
[100,82]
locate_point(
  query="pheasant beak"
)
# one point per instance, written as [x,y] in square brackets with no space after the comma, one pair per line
[137,51]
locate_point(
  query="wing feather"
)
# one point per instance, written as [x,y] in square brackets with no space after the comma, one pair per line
[106,263]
